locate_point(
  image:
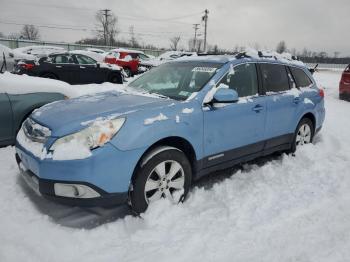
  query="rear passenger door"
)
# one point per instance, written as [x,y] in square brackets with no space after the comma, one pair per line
[281,104]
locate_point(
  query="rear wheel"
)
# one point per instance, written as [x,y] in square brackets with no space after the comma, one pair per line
[164,173]
[304,134]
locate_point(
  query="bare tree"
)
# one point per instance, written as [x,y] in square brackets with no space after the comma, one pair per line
[14,36]
[107,27]
[174,42]
[281,47]
[30,32]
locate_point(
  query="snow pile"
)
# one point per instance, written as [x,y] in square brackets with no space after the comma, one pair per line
[151,120]
[187,110]
[272,55]
[278,208]
[23,84]
[74,149]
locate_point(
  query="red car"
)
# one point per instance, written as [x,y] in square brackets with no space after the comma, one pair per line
[127,59]
[344,85]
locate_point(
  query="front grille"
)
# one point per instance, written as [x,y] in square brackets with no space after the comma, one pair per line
[35,131]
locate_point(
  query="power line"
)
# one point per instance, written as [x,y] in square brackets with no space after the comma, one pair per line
[105,24]
[125,16]
[196,27]
[205,19]
[67,27]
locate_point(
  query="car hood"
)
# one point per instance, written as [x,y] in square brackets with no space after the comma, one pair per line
[68,116]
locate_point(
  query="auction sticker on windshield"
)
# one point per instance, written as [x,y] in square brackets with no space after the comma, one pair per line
[204,69]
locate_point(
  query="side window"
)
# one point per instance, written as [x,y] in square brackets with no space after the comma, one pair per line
[275,78]
[301,79]
[244,79]
[63,59]
[85,60]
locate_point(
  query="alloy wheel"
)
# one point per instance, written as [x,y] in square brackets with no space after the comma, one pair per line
[304,135]
[166,180]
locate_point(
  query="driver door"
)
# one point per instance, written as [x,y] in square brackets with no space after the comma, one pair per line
[237,129]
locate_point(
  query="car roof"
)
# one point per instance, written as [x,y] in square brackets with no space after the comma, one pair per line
[243,57]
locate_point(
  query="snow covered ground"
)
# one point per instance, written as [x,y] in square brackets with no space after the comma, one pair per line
[278,208]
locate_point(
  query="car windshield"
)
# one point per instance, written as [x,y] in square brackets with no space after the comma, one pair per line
[177,80]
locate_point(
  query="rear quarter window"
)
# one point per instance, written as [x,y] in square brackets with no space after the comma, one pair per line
[274,77]
[300,77]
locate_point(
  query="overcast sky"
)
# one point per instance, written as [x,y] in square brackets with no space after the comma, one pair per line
[320,25]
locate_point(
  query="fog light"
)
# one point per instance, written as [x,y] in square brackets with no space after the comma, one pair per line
[75,191]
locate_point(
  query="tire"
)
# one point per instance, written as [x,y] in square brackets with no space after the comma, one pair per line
[303,136]
[148,174]
[127,72]
[49,75]
[115,78]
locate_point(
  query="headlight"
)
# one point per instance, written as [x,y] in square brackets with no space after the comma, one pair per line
[97,134]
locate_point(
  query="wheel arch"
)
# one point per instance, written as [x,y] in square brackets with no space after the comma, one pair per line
[310,116]
[175,142]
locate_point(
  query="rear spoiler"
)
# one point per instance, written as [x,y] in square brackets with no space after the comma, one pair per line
[313,70]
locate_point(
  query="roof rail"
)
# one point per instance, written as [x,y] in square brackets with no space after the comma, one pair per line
[261,54]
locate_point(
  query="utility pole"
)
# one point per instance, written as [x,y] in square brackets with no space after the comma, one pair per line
[196,27]
[205,19]
[105,27]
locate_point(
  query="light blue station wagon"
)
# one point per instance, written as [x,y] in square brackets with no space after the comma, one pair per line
[172,125]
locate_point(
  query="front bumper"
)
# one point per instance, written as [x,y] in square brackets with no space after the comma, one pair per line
[107,173]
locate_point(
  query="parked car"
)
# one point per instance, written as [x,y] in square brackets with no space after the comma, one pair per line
[344,85]
[72,68]
[165,57]
[18,102]
[127,59]
[180,121]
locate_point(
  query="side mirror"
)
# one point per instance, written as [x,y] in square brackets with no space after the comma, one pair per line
[225,95]
[98,65]
[11,55]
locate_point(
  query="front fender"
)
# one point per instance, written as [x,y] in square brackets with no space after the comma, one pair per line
[138,132]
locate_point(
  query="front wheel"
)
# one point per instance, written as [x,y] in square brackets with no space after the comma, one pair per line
[304,134]
[116,78]
[164,173]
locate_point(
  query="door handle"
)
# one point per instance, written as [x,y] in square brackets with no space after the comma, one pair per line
[59,66]
[258,108]
[82,67]
[296,100]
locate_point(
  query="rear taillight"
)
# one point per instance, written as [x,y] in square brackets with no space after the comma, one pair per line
[27,66]
[321,92]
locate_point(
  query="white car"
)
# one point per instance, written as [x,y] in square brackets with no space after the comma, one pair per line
[167,56]
[95,50]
